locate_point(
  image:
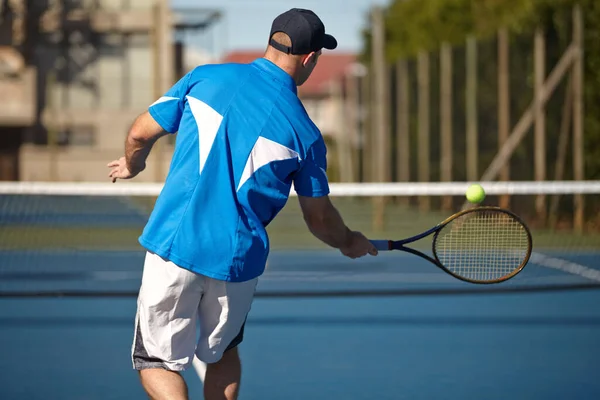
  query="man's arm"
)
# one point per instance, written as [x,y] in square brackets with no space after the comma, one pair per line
[162,117]
[324,221]
[322,218]
[144,132]
[326,224]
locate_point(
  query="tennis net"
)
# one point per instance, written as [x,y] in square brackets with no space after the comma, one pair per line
[80,239]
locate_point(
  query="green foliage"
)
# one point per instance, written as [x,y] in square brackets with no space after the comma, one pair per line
[591,17]
[416,25]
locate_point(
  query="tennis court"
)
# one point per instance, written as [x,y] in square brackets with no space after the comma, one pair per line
[322,326]
[520,346]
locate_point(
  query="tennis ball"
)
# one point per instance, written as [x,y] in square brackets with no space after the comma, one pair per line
[475,194]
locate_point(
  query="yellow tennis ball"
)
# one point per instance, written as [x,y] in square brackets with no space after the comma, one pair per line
[475,194]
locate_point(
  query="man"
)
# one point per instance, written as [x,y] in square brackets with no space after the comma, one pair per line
[244,139]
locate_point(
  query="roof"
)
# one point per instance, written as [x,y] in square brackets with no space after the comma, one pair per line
[330,66]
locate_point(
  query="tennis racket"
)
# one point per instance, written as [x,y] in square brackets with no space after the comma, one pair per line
[477,245]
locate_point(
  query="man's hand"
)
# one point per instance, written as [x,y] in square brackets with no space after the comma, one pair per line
[120,171]
[140,139]
[357,246]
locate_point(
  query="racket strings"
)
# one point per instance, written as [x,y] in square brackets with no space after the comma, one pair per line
[483,245]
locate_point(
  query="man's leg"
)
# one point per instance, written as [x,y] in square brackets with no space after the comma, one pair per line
[222,313]
[222,381]
[165,331]
[161,384]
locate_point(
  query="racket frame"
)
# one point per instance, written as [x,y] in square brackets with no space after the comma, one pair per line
[400,244]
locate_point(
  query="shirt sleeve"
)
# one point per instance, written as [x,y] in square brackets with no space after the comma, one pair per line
[168,110]
[311,179]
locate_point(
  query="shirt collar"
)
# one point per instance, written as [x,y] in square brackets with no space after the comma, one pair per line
[276,73]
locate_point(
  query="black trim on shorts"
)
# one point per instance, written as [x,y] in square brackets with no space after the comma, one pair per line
[238,339]
[141,359]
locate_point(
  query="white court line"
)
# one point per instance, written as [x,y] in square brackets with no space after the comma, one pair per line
[565,266]
[200,368]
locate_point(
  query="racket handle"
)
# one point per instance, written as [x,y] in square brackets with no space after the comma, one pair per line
[382,245]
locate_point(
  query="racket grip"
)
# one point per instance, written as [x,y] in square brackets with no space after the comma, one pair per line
[382,245]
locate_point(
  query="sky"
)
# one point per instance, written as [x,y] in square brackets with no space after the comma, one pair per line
[246,24]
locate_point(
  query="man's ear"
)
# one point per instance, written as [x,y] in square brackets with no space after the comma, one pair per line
[309,58]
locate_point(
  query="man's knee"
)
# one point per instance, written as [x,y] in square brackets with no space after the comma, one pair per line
[222,380]
[231,355]
[230,358]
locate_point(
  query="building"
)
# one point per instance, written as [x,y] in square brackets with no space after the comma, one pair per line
[73,76]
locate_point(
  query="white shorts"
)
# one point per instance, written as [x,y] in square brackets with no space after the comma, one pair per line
[172,302]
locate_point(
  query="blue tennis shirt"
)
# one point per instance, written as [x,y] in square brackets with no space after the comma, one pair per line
[243,139]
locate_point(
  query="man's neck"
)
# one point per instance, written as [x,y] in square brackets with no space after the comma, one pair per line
[282,63]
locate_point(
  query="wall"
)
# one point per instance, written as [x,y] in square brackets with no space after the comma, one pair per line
[91,106]
[77,164]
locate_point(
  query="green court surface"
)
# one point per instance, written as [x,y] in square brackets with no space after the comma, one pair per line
[287,231]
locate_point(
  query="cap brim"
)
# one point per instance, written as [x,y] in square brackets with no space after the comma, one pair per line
[329,42]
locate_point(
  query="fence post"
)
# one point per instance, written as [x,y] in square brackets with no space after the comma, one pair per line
[423,142]
[381,116]
[578,143]
[446,120]
[540,120]
[503,104]
[403,124]
[561,149]
[471,110]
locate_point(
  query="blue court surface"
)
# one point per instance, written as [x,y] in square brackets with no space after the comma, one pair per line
[534,345]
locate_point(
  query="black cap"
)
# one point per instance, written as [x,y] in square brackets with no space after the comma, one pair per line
[305,29]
